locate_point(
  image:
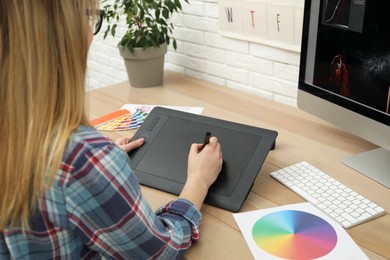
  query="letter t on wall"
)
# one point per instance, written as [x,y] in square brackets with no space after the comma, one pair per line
[255,19]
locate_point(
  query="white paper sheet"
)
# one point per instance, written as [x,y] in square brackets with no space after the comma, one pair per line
[147,108]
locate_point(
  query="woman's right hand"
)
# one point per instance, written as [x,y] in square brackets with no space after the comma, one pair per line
[204,166]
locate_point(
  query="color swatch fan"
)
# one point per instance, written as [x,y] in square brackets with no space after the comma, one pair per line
[298,231]
[120,120]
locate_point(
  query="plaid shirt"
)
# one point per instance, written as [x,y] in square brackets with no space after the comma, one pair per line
[95,209]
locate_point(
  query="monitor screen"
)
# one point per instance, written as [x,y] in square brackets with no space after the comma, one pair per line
[345,74]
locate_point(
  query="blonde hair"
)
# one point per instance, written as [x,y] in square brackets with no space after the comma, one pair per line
[43,57]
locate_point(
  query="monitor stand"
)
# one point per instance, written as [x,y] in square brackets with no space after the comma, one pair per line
[375,164]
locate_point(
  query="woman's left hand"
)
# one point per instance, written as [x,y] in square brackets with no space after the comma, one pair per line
[126,145]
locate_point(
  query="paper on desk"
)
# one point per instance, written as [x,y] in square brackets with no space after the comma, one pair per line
[296,231]
[147,108]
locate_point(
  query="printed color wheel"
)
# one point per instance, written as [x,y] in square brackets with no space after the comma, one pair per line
[294,234]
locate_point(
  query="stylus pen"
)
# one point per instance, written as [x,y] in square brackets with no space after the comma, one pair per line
[206,139]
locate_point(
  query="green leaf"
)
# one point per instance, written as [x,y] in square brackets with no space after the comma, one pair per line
[165,13]
[113,29]
[106,32]
[157,13]
[178,4]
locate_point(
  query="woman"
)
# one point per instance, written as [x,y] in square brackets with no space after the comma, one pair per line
[67,191]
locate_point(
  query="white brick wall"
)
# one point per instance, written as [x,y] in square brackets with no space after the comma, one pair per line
[203,52]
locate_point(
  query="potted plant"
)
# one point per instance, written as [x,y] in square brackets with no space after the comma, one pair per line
[149,31]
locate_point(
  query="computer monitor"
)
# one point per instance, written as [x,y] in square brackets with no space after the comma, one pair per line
[344,74]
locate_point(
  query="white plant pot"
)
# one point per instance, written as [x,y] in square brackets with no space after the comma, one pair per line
[145,67]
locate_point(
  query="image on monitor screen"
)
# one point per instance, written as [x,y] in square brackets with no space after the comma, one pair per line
[355,65]
[345,73]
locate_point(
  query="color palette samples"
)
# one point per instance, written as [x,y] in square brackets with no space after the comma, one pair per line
[294,234]
[124,122]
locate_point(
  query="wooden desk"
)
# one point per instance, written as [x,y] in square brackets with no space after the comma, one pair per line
[301,137]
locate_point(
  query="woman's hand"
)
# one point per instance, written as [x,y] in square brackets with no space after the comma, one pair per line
[125,144]
[204,167]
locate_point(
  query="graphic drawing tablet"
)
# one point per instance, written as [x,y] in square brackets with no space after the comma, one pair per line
[161,162]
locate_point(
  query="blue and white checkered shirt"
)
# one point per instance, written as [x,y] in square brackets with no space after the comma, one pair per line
[95,209]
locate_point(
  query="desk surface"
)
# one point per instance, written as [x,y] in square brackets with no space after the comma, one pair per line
[301,137]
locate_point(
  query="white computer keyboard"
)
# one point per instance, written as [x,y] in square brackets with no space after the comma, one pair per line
[341,203]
